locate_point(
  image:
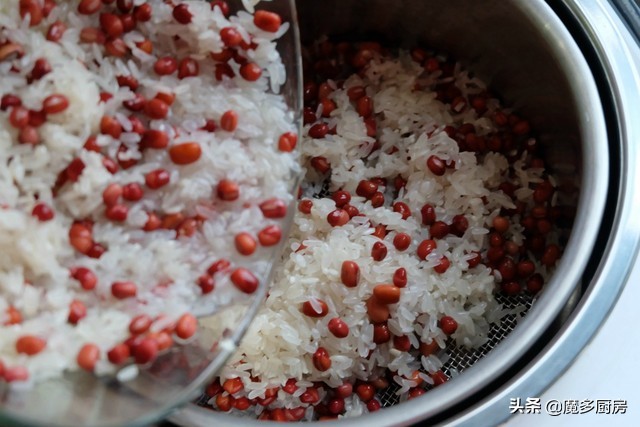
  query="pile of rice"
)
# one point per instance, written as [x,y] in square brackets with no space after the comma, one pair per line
[291,364]
[65,163]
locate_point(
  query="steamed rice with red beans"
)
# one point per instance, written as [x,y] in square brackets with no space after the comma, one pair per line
[423,198]
[147,167]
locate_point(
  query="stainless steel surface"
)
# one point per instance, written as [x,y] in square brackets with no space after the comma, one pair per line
[619,53]
[526,54]
[82,399]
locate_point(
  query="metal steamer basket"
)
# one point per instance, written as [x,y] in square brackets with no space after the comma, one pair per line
[572,68]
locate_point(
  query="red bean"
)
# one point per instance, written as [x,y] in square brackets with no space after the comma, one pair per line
[111,195]
[182,14]
[245,243]
[403,209]
[267,21]
[143,12]
[229,121]
[140,324]
[86,277]
[145,351]
[186,326]
[459,225]
[115,47]
[92,35]
[43,212]
[387,294]
[132,192]
[110,126]
[500,224]
[309,310]
[525,268]
[319,130]
[156,109]
[8,101]
[534,284]
[336,406]
[111,24]
[287,142]
[496,240]
[439,378]
[402,241]
[273,208]
[228,190]
[128,81]
[124,6]
[338,327]
[117,212]
[551,255]
[118,354]
[250,71]
[157,178]
[89,7]
[135,104]
[377,199]
[185,153]
[153,222]
[350,274]
[19,117]
[56,31]
[443,265]
[321,359]
[511,288]
[244,280]
[128,23]
[366,188]
[33,9]
[29,135]
[270,235]
[428,214]
[377,311]
[356,92]
[310,396]
[123,290]
[381,333]
[145,46]
[448,325]
[402,343]
[320,164]
[230,37]
[364,106]
[380,231]
[188,67]
[439,229]
[341,198]
[206,284]
[365,392]
[154,139]
[80,238]
[221,5]
[400,277]
[338,218]
[425,248]
[162,339]
[88,356]
[40,69]
[77,311]
[507,269]
[436,165]
[30,345]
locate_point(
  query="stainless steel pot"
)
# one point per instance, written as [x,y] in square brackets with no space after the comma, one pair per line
[565,65]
